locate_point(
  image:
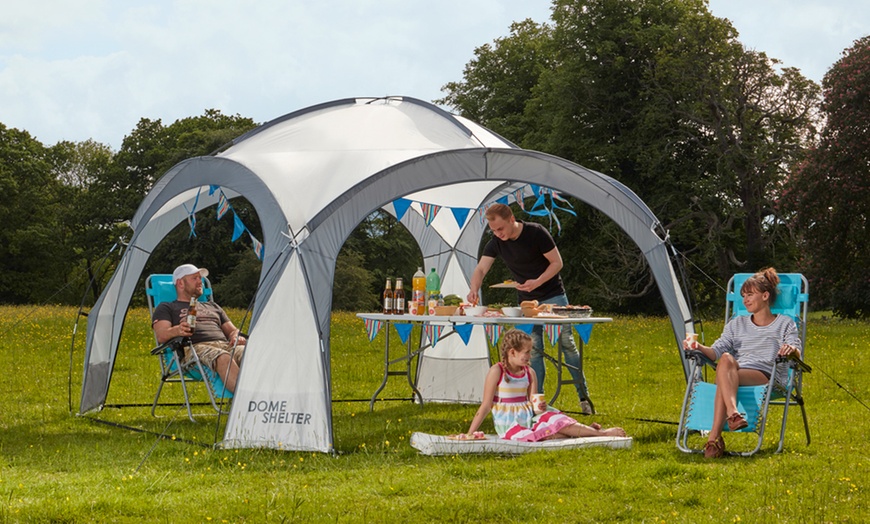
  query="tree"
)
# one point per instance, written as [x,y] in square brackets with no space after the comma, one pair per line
[829,193]
[33,254]
[662,96]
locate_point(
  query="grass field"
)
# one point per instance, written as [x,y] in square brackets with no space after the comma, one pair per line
[56,466]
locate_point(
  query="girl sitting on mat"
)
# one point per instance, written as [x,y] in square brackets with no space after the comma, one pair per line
[507,390]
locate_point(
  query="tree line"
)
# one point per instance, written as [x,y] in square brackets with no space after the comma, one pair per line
[746,163]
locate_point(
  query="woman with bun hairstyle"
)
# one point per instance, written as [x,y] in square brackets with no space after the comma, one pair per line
[746,352]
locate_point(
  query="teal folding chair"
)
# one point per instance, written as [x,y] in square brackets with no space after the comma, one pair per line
[697,410]
[159,288]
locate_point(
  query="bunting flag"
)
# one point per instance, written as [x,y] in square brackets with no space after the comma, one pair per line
[554,331]
[191,221]
[460,214]
[481,214]
[400,206]
[433,332]
[503,200]
[519,196]
[212,188]
[585,331]
[373,327]
[464,331]
[238,227]
[223,205]
[404,330]
[525,328]
[493,332]
[258,247]
[430,211]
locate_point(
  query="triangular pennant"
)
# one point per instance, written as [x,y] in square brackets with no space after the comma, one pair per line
[404,330]
[400,206]
[460,214]
[554,331]
[585,331]
[481,214]
[464,331]
[212,188]
[430,211]
[223,205]
[373,327]
[258,246]
[238,227]
[493,332]
[433,333]
[525,328]
[536,189]
[503,200]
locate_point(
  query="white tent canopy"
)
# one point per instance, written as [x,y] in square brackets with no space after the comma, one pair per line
[312,176]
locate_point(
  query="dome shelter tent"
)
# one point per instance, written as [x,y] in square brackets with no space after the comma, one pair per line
[312,176]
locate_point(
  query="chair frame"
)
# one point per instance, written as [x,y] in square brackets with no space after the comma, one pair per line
[773,394]
[171,353]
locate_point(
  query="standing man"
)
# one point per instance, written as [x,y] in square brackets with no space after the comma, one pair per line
[533,259]
[217,341]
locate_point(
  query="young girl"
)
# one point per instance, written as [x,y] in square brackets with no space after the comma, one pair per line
[746,352]
[507,393]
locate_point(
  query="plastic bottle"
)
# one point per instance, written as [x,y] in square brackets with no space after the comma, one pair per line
[418,293]
[433,289]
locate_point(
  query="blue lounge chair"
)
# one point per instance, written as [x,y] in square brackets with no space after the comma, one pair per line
[697,411]
[159,288]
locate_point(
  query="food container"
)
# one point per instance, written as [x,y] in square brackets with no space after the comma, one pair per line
[512,311]
[475,311]
[573,311]
[446,311]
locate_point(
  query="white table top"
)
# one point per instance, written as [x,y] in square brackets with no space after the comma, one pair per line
[463,319]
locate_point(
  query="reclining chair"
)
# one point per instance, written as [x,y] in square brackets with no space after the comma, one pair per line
[697,411]
[159,288]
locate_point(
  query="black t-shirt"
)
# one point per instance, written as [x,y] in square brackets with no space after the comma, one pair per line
[209,319]
[525,259]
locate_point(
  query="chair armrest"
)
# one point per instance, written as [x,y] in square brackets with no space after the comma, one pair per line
[796,362]
[700,358]
[176,344]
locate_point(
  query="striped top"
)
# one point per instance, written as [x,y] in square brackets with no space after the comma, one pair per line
[511,404]
[755,347]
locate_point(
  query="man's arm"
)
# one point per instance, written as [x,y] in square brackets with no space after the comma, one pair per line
[480,271]
[232,332]
[555,260]
[165,331]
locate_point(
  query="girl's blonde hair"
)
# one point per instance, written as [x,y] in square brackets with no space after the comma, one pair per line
[765,280]
[513,339]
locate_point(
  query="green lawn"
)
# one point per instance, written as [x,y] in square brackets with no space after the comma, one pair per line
[59,467]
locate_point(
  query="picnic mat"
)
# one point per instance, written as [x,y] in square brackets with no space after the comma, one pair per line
[429,444]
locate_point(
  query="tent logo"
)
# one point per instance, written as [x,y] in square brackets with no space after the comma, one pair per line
[275,412]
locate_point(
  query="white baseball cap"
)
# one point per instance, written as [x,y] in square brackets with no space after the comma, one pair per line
[185,270]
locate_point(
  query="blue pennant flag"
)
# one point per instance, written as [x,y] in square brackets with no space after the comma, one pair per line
[525,328]
[460,214]
[503,200]
[238,227]
[404,330]
[464,331]
[535,189]
[585,331]
[401,205]
[212,188]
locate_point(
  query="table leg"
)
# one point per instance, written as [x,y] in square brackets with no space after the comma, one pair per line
[386,366]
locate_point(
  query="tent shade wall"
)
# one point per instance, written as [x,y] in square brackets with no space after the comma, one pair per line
[312,177]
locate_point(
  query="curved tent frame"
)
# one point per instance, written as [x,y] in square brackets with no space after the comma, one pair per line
[312,177]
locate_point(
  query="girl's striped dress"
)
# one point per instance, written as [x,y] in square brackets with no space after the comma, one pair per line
[514,416]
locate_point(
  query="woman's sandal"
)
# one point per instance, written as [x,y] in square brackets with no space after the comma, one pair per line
[714,448]
[737,421]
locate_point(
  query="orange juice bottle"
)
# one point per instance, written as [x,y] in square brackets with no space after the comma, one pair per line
[418,293]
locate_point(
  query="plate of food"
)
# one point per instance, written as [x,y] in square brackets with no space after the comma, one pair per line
[573,311]
[507,284]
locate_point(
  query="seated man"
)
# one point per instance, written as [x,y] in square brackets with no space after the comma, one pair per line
[214,335]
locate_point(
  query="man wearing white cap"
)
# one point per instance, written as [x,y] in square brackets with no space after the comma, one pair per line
[216,339]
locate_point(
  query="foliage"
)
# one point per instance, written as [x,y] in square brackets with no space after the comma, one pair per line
[57,467]
[660,95]
[829,193]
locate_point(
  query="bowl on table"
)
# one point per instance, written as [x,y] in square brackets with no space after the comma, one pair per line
[475,311]
[512,311]
[446,311]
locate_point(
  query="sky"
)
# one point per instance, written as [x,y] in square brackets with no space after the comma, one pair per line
[91,69]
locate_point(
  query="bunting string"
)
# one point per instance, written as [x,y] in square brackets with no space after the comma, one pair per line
[224,207]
